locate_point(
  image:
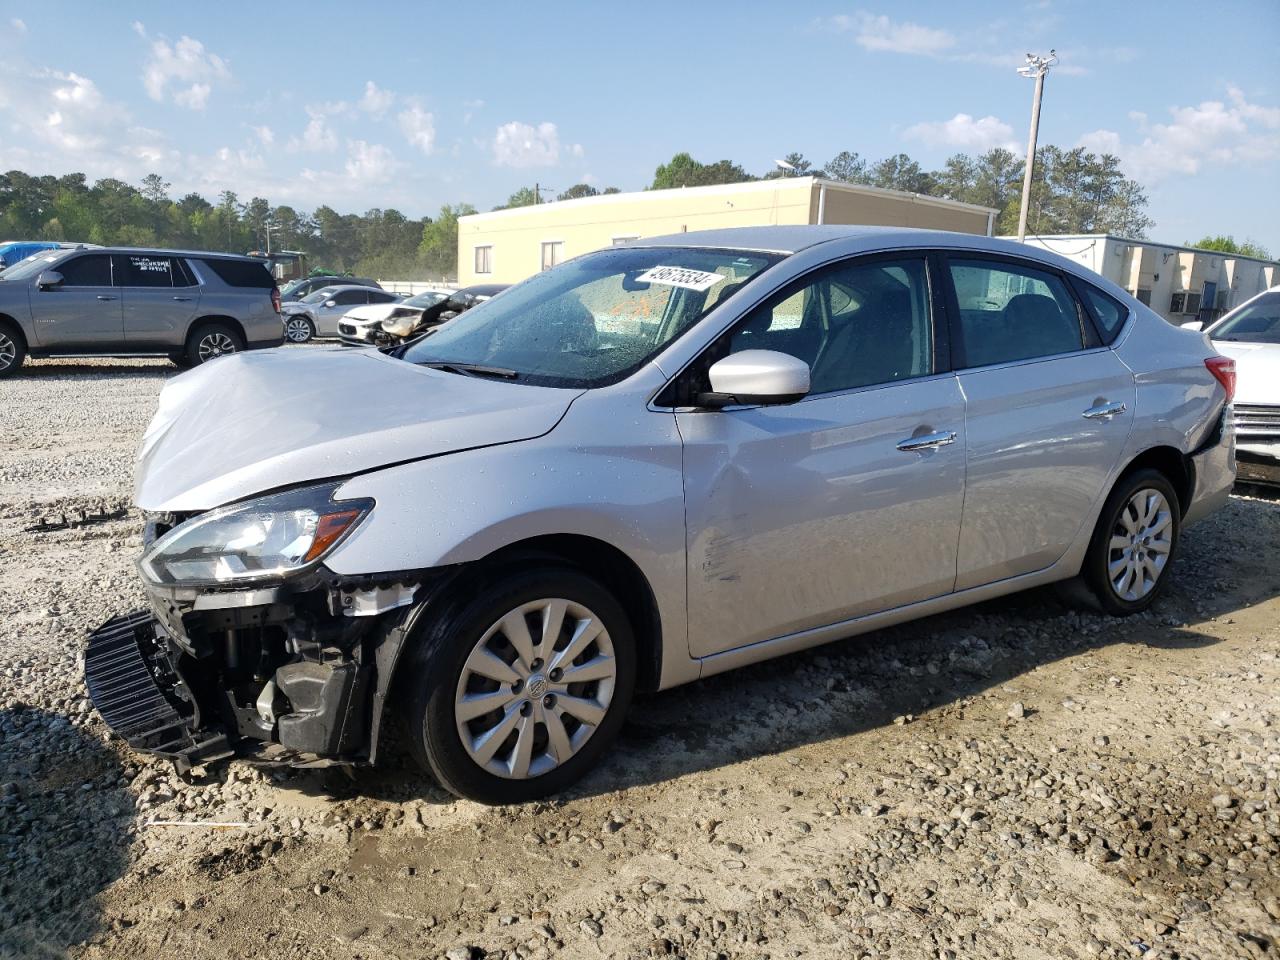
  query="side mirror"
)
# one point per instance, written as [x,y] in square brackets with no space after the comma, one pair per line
[756,377]
[1193,325]
[331,303]
[49,280]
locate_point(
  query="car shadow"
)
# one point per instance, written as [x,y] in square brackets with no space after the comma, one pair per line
[65,814]
[872,680]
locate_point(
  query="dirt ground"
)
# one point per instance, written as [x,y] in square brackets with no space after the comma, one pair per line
[1019,779]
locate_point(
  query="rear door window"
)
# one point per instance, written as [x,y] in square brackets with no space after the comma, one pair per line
[1108,314]
[247,273]
[144,270]
[348,297]
[1011,312]
[91,270]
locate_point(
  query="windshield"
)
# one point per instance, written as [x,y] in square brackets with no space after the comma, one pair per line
[32,265]
[319,296]
[428,299]
[594,319]
[1257,322]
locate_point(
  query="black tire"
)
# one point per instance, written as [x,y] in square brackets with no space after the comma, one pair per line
[13,350]
[1115,520]
[434,672]
[208,341]
[310,331]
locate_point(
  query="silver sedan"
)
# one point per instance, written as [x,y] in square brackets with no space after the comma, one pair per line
[645,466]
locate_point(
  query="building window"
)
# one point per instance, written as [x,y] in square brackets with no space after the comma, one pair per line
[619,241]
[1144,296]
[484,259]
[1177,303]
[552,253]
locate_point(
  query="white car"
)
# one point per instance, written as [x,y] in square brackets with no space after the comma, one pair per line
[1250,334]
[377,323]
[317,314]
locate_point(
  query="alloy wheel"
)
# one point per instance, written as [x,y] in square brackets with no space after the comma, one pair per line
[1140,545]
[535,687]
[8,351]
[298,330]
[215,344]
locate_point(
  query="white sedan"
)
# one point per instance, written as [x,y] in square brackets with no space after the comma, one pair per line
[380,323]
[1250,335]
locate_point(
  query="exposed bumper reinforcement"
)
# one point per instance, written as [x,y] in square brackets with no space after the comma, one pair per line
[140,695]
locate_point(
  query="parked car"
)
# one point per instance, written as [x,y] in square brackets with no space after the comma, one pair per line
[641,467]
[1250,335]
[15,251]
[317,314]
[188,306]
[387,325]
[308,285]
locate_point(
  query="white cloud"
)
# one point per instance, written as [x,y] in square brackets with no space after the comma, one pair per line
[139,28]
[873,32]
[318,137]
[265,135]
[18,25]
[184,70]
[963,132]
[1212,133]
[418,127]
[376,101]
[518,144]
[369,162]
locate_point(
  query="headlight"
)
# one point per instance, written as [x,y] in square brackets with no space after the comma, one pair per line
[262,539]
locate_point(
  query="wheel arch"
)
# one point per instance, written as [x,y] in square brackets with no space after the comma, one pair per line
[1171,462]
[11,323]
[231,322]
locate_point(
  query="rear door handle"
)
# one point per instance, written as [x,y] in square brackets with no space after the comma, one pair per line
[102,296]
[927,442]
[1105,411]
[183,299]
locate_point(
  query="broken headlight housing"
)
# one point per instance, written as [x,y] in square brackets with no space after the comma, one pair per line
[400,323]
[263,539]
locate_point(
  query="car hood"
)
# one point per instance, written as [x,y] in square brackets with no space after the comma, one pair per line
[1257,370]
[376,311]
[254,422]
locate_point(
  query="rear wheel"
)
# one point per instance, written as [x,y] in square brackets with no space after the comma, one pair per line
[1134,543]
[13,351]
[516,694]
[298,329]
[210,341]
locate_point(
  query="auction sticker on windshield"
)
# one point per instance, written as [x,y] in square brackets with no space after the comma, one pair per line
[681,277]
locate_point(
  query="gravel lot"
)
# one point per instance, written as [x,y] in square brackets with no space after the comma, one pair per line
[1014,780]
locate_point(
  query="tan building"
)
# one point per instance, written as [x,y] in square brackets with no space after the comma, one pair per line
[1179,283]
[506,246]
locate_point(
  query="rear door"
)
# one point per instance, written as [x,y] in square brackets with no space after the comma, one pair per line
[1048,412]
[160,298]
[327,317]
[84,312]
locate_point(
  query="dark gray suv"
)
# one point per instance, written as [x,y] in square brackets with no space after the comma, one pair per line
[190,307]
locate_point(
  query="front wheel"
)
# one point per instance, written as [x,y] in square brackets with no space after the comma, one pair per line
[1127,564]
[298,329]
[12,351]
[516,694]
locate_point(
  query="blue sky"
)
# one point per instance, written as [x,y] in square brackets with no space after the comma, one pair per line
[412,105]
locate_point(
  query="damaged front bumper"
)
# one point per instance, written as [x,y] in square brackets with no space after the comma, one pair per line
[295,674]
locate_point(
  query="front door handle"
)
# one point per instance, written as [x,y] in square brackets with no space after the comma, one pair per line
[1105,411]
[103,296]
[927,442]
[183,299]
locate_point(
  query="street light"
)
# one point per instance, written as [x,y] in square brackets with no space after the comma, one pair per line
[1035,68]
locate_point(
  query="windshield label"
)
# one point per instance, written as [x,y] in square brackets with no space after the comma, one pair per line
[681,277]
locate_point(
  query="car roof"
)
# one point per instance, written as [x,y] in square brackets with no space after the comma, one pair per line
[483,289]
[165,252]
[791,239]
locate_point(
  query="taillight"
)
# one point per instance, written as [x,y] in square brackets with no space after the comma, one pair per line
[1224,371]
[275,298]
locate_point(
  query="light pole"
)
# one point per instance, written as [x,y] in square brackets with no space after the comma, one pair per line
[1037,67]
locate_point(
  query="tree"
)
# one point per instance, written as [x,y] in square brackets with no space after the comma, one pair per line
[900,172]
[578,190]
[524,197]
[846,167]
[684,171]
[608,190]
[438,251]
[155,188]
[798,167]
[1225,243]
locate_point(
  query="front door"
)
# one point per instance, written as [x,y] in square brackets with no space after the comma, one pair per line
[845,503]
[1049,410]
[160,298]
[84,312]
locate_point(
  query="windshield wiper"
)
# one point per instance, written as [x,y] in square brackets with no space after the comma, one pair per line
[470,369]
